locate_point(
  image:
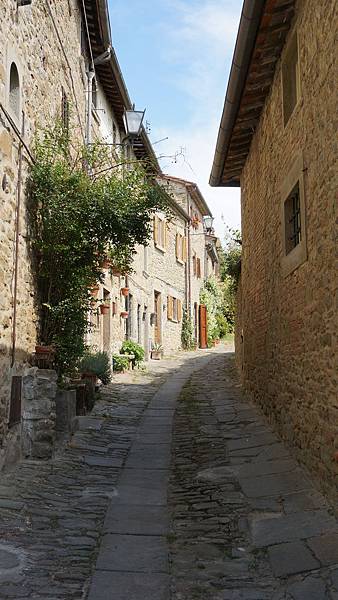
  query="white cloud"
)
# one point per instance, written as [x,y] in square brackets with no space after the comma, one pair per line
[201,44]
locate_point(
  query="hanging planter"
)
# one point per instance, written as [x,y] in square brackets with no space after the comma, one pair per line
[104,309]
[124,314]
[125,291]
[116,271]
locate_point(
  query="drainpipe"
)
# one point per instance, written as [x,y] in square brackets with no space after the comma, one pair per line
[90,77]
[17,241]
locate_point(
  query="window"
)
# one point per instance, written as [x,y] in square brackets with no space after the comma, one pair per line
[160,233]
[65,111]
[290,78]
[94,93]
[293,218]
[174,309]
[14,91]
[180,248]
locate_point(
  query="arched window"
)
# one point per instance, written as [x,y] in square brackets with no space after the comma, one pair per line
[14,90]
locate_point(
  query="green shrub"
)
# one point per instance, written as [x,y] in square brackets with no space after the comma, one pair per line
[120,363]
[222,325]
[97,363]
[187,334]
[130,347]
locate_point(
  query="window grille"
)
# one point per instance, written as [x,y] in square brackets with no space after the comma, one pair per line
[292,220]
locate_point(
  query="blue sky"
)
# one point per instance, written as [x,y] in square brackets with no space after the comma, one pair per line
[175,56]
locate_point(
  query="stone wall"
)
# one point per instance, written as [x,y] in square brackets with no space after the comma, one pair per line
[289,323]
[39,412]
[29,39]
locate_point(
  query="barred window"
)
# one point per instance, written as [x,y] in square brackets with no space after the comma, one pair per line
[292,220]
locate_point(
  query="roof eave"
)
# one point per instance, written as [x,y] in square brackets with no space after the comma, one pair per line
[246,37]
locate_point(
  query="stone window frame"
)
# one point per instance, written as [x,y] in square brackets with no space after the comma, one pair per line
[298,255]
[294,38]
[13,58]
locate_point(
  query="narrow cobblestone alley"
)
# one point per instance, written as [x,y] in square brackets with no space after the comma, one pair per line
[175,487]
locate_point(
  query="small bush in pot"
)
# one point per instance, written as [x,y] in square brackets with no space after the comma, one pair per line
[120,363]
[98,364]
[130,347]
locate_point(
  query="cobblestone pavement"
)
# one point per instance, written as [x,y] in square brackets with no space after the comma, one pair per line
[247,523]
[52,512]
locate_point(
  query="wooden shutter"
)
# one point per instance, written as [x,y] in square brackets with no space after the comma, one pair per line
[185,249]
[164,234]
[194,264]
[177,245]
[198,267]
[155,229]
[170,308]
[179,310]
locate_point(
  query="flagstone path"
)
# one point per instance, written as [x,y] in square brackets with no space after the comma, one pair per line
[175,488]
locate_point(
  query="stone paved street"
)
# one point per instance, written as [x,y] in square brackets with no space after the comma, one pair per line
[175,487]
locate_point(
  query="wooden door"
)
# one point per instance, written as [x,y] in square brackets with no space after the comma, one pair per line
[157,307]
[203,326]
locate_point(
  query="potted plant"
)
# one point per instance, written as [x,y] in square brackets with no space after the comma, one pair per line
[95,365]
[124,291]
[120,363]
[134,350]
[156,351]
[124,314]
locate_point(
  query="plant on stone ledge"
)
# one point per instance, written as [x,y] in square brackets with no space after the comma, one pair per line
[79,208]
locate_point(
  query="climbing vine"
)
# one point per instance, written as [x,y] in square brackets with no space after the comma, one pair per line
[80,211]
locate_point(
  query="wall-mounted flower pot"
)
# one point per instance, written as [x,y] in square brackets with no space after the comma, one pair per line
[116,271]
[124,314]
[125,291]
[94,290]
[104,309]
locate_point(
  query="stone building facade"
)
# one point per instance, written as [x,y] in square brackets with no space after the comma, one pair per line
[30,97]
[282,153]
[45,53]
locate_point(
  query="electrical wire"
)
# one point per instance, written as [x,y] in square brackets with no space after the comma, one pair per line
[68,64]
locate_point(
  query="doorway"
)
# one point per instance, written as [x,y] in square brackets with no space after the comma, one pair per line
[158,318]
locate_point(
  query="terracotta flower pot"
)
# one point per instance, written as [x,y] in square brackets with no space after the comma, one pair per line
[156,354]
[104,309]
[124,314]
[124,291]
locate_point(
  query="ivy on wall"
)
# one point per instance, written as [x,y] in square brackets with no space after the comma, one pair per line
[80,211]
